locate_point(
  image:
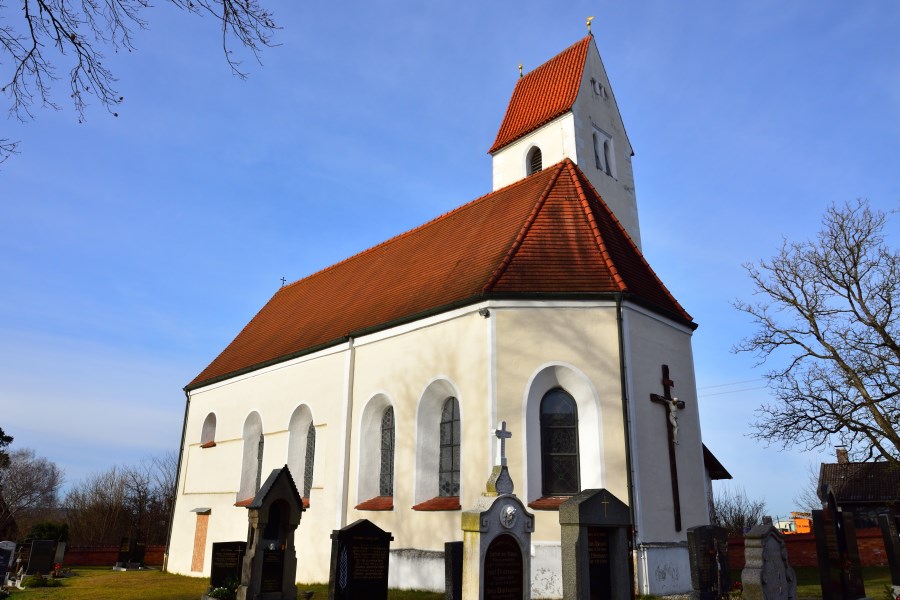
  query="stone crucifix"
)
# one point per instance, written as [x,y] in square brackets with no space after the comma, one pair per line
[503,435]
[672,405]
[500,482]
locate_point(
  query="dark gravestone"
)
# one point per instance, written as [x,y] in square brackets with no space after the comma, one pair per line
[890,532]
[453,566]
[137,554]
[596,562]
[839,571]
[5,559]
[124,552]
[503,569]
[269,568]
[41,557]
[227,558]
[359,562]
[708,553]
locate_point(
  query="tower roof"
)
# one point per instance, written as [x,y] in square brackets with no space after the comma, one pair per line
[547,236]
[544,94]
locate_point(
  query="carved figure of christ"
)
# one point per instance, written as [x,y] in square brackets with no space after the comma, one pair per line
[672,405]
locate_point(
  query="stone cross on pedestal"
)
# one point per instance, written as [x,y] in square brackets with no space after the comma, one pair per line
[672,406]
[503,435]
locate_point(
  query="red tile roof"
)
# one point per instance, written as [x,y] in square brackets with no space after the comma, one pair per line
[549,235]
[544,94]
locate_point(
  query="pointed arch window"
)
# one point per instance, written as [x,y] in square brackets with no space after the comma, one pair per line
[386,475]
[534,161]
[309,460]
[448,474]
[559,444]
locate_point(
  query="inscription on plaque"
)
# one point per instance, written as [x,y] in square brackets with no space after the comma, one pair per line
[598,563]
[359,562]
[503,569]
[272,571]
[227,558]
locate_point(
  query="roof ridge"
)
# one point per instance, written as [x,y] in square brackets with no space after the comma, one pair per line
[404,234]
[637,250]
[604,251]
[548,61]
[523,231]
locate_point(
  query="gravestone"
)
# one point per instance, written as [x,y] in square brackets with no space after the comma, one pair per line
[227,561]
[7,559]
[59,557]
[840,574]
[453,555]
[708,553]
[269,569]
[594,543]
[497,539]
[40,559]
[767,575]
[890,532]
[131,554]
[360,554]
[124,553]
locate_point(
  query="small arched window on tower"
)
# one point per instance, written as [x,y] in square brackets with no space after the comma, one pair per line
[604,156]
[534,161]
[208,433]
[607,156]
[448,472]
[559,444]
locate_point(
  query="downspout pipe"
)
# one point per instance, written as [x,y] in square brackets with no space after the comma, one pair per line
[626,415]
[187,406]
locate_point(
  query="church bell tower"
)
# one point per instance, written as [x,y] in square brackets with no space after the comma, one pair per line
[565,108]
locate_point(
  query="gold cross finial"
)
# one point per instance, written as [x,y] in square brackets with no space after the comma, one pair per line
[589,19]
[520,69]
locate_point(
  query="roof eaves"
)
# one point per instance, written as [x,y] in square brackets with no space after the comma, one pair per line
[523,232]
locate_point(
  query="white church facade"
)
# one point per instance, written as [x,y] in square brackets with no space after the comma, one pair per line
[379,380]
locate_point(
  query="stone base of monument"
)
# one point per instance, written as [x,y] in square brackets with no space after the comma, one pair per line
[130,567]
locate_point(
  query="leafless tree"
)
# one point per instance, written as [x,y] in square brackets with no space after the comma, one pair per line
[36,36]
[736,512]
[807,498]
[29,482]
[94,508]
[830,318]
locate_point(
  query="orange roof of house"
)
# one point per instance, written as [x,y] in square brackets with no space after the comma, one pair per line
[544,94]
[549,235]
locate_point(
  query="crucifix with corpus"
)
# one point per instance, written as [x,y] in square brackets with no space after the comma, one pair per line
[672,405]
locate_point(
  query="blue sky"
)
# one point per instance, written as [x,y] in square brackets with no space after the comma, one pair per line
[133,249]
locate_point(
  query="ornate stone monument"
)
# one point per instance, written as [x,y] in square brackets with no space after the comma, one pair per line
[270,561]
[360,557]
[840,573]
[708,553]
[767,574]
[497,539]
[596,562]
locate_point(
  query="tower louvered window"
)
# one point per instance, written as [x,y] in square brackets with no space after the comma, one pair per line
[386,479]
[535,161]
[559,444]
[310,460]
[449,459]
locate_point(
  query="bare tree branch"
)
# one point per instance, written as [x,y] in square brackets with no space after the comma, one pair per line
[827,321]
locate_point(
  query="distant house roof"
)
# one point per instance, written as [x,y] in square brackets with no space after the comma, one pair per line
[543,94]
[547,236]
[875,482]
[713,466]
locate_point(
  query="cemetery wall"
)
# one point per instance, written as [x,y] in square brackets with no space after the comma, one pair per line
[106,556]
[801,548]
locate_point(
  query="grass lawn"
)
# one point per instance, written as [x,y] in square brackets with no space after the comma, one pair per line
[106,584]
[875,578]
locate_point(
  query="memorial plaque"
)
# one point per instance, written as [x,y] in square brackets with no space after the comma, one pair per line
[598,563]
[40,559]
[227,558]
[359,562]
[503,569]
[453,568]
[708,554]
[890,532]
[272,571]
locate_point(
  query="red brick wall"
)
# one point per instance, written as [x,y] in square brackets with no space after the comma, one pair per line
[801,549]
[105,556]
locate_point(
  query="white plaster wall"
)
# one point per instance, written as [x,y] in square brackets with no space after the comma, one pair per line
[556,140]
[210,477]
[411,569]
[546,570]
[651,342]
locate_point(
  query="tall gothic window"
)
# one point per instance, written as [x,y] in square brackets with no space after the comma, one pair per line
[535,160]
[386,476]
[259,457]
[448,480]
[559,444]
[310,460]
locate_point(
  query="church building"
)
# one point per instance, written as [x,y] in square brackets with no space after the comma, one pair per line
[380,380]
